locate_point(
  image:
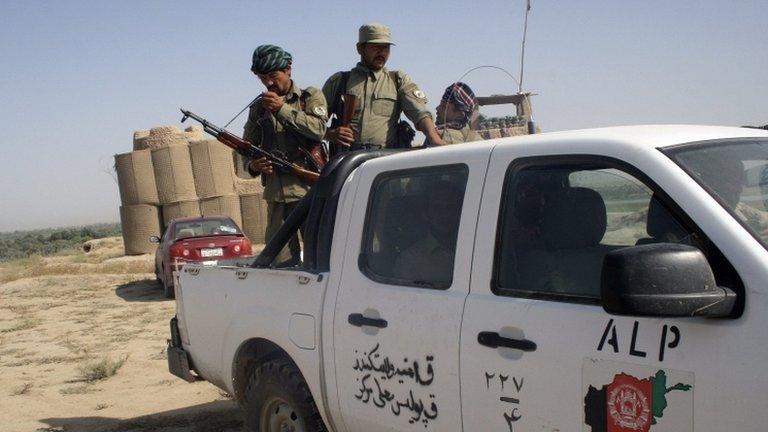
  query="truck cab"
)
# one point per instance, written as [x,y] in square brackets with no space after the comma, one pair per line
[596,280]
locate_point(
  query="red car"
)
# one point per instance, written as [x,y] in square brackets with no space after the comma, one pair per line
[198,239]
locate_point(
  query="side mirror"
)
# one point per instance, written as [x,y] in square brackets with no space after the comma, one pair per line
[154,239]
[662,280]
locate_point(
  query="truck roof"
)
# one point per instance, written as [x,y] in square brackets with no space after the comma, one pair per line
[655,136]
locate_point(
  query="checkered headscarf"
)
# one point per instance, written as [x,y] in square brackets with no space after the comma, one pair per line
[464,99]
[268,58]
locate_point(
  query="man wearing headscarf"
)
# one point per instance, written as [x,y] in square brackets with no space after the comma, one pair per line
[286,119]
[454,114]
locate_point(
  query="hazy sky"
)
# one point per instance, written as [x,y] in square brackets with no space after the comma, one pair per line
[78,77]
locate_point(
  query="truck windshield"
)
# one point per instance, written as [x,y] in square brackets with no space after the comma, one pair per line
[735,172]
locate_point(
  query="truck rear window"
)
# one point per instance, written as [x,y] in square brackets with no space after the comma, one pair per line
[412,224]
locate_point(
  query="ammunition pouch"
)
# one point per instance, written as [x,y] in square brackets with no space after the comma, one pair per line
[405,135]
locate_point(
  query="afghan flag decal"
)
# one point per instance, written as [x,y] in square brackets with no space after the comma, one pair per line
[628,404]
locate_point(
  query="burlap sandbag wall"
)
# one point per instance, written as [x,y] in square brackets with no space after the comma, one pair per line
[240,170]
[254,211]
[228,205]
[136,178]
[140,139]
[158,137]
[173,174]
[212,168]
[194,133]
[187,174]
[139,222]
[164,136]
[190,208]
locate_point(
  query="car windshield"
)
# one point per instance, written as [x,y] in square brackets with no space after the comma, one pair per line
[735,172]
[207,227]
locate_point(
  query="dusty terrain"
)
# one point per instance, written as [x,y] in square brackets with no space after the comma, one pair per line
[82,348]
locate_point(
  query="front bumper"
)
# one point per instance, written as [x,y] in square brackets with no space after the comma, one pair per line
[178,358]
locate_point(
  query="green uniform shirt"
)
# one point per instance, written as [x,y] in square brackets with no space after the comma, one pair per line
[379,102]
[286,131]
[456,136]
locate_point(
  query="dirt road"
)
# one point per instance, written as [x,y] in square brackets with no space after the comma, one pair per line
[82,348]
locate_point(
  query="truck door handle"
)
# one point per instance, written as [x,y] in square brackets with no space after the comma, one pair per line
[358,320]
[494,340]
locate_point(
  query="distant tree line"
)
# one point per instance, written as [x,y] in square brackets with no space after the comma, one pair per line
[22,244]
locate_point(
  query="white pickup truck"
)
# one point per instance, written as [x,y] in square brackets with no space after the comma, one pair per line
[598,280]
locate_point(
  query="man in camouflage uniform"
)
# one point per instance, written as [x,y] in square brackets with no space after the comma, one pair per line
[454,114]
[382,96]
[286,119]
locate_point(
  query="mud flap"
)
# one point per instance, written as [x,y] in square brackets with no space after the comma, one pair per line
[178,359]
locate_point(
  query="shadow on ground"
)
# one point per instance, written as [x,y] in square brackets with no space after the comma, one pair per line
[218,416]
[146,290]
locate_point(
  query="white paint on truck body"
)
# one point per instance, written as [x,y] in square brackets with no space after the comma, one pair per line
[714,371]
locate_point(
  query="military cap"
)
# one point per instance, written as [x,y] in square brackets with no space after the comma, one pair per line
[375,33]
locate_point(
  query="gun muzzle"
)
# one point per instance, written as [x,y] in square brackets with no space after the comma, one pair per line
[186,115]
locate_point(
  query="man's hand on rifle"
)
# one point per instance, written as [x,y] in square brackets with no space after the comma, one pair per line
[272,101]
[261,165]
[342,135]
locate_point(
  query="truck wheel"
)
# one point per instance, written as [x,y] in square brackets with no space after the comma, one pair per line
[278,400]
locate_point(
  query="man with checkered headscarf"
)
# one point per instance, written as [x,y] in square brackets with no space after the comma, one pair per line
[455,113]
[285,120]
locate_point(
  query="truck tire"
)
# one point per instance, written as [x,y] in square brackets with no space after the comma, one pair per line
[277,400]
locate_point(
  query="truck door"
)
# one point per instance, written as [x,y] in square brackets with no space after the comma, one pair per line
[404,282]
[538,352]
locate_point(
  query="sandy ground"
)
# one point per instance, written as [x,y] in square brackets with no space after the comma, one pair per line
[67,322]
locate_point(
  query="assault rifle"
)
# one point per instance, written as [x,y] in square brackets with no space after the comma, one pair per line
[249,150]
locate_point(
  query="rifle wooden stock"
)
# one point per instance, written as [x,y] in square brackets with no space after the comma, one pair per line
[304,174]
[350,103]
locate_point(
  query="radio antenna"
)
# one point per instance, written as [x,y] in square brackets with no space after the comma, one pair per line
[522,51]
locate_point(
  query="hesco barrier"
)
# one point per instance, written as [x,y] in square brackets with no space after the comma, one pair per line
[227,205]
[139,222]
[140,139]
[162,136]
[240,170]
[136,178]
[249,186]
[254,211]
[194,133]
[180,209]
[212,168]
[173,174]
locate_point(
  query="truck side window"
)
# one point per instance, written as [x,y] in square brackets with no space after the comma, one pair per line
[558,221]
[411,226]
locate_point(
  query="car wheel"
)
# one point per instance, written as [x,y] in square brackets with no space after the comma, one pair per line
[168,290]
[277,400]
